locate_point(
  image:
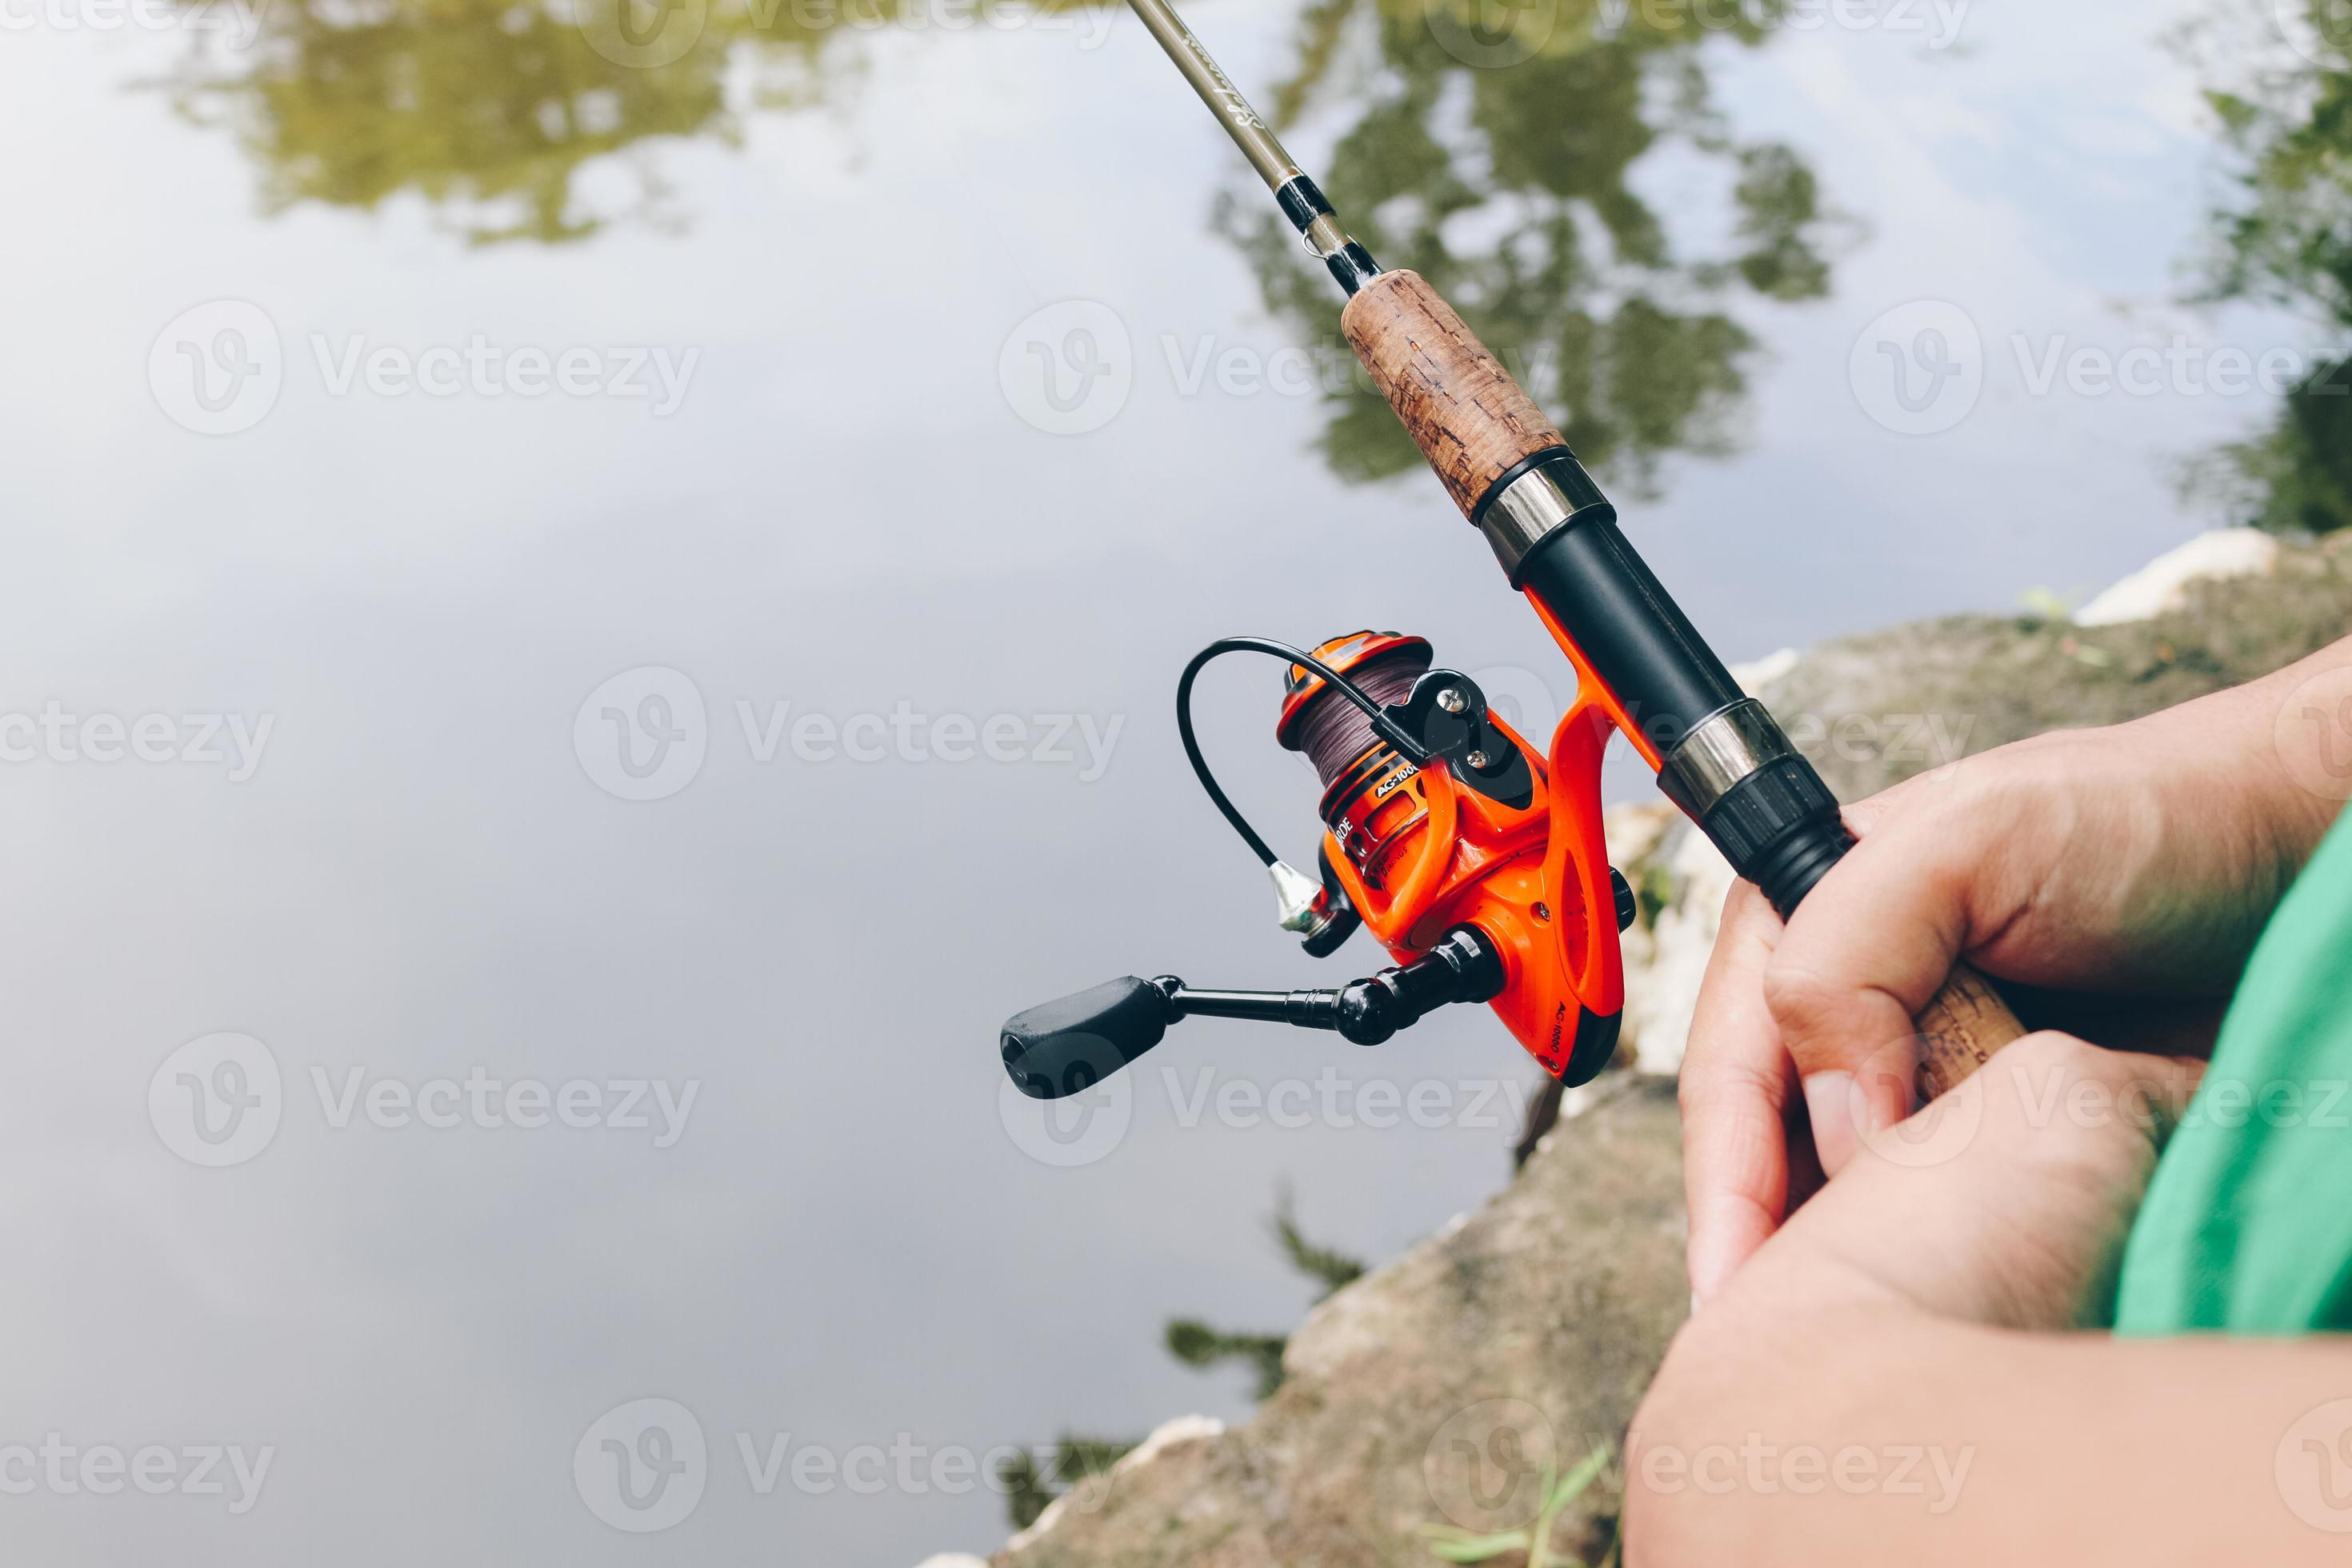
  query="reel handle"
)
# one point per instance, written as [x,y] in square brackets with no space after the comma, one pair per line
[1065,1047]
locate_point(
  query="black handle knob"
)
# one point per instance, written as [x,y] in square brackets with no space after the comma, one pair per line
[1062,1048]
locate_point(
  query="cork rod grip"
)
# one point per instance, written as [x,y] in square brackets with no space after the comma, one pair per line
[1471,420]
[1963,1025]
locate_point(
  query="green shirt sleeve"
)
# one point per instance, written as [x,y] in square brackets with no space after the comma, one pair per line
[2247,1228]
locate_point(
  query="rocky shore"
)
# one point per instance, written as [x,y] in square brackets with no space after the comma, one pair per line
[1523,1335]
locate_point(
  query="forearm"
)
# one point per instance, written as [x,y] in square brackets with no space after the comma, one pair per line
[1845,1426]
[2165,841]
[2242,766]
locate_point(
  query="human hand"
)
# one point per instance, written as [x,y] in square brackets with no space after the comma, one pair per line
[1919,1306]
[2133,866]
[2006,1203]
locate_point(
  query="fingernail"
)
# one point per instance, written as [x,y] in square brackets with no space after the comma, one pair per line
[1830,1100]
[1694,1312]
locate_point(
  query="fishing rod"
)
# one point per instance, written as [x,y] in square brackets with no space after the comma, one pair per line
[1478,861]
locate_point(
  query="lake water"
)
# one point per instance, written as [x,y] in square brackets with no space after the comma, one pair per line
[273,306]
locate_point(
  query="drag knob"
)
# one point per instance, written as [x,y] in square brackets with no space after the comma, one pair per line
[1628,906]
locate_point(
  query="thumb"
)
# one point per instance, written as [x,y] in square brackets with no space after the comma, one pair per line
[1867,949]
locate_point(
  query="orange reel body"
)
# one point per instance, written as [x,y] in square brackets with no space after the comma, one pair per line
[1417,853]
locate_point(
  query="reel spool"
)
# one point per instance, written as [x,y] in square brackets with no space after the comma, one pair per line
[1477,862]
[1414,853]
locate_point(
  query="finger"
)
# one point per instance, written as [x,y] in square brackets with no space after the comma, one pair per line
[2006,1202]
[1868,949]
[1736,1087]
[2030,1218]
[2052,1080]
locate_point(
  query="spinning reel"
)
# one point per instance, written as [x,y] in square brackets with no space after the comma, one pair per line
[1477,862]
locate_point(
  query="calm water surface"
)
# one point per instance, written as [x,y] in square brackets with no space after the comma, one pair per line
[426,868]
